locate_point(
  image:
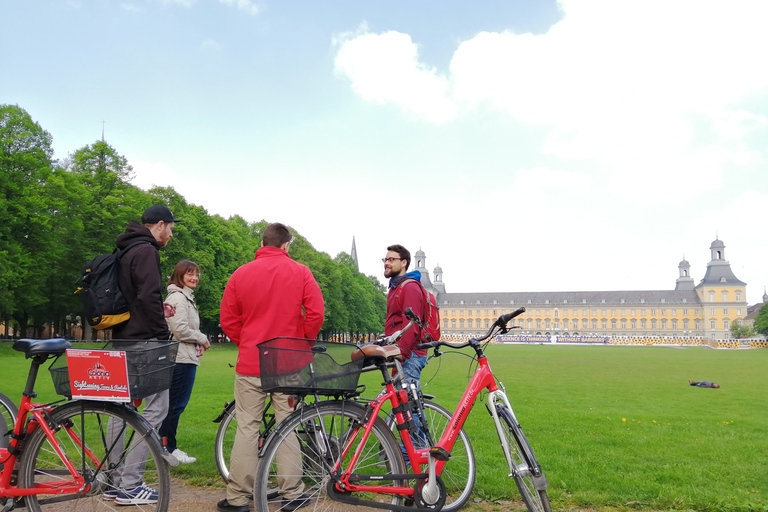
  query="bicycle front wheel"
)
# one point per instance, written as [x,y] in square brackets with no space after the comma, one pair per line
[225,439]
[103,442]
[458,474]
[8,411]
[527,473]
[305,448]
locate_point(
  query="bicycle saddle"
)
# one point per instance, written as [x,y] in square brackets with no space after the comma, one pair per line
[372,354]
[31,348]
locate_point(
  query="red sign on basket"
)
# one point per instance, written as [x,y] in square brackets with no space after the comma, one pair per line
[98,375]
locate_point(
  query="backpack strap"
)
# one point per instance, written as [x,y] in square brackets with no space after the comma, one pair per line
[120,252]
[402,284]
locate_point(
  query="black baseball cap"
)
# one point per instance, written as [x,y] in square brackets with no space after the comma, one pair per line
[157,213]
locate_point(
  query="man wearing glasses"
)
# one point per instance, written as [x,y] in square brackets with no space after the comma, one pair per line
[405,291]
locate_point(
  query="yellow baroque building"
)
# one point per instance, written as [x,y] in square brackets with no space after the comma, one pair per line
[705,310]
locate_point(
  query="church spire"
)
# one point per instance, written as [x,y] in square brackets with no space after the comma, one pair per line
[353,253]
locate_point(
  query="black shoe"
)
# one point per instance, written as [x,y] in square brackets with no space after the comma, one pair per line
[296,503]
[224,506]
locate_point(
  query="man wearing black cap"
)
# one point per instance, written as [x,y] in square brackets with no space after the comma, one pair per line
[140,282]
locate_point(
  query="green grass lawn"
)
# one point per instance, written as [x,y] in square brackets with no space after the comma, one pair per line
[611,425]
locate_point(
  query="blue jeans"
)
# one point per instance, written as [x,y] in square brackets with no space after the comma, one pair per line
[179,394]
[412,370]
[412,375]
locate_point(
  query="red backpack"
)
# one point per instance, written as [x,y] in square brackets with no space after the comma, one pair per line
[431,320]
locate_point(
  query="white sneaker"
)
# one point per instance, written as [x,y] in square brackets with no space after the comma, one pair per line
[183,457]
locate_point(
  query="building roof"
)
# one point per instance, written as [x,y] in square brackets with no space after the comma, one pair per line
[572,299]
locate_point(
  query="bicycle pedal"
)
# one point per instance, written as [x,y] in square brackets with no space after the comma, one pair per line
[439,453]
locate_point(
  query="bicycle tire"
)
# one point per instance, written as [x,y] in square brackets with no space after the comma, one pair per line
[9,412]
[527,473]
[319,433]
[104,428]
[459,472]
[225,439]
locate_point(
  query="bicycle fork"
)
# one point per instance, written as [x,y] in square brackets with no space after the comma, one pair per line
[529,467]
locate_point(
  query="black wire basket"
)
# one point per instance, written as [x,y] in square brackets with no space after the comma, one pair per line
[299,366]
[150,367]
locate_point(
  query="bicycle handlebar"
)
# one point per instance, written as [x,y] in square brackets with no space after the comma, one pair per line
[500,322]
[392,338]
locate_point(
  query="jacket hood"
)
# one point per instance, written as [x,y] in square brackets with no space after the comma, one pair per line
[135,232]
[413,274]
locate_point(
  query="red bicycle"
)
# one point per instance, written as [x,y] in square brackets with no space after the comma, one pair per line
[349,456]
[69,456]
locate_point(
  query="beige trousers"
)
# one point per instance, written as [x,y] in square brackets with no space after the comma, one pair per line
[249,408]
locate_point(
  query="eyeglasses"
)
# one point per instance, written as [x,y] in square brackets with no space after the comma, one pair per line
[192,274]
[389,260]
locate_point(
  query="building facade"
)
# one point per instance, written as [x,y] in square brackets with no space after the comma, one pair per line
[707,309]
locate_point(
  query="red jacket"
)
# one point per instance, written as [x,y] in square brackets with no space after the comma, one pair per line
[263,299]
[398,299]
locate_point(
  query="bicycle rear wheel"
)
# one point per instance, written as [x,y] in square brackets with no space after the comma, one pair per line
[458,474]
[527,472]
[100,440]
[316,436]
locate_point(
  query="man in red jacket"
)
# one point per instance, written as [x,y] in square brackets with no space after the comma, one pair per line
[272,296]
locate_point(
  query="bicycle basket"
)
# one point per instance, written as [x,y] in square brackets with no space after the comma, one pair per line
[298,366]
[150,367]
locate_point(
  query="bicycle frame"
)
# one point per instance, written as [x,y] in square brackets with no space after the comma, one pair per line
[435,457]
[38,420]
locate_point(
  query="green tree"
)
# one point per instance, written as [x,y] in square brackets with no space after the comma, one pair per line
[761,321]
[739,331]
[25,235]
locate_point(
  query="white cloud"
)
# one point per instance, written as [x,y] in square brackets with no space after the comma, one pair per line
[652,90]
[248,6]
[210,44]
[384,68]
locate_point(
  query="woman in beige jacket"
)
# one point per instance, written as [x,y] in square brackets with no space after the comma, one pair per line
[185,327]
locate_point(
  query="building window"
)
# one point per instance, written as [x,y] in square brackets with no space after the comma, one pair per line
[674,324]
[726,324]
[664,324]
[547,324]
[487,323]
[654,323]
[738,296]
[711,296]
[613,324]
[623,324]
[584,324]
[565,324]
[712,325]
[453,323]
[594,324]
[530,324]
[686,324]
[538,324]
[643,324]
[725,311]
[633,323]
[445,323]
[724,295]
[461,323]
[697,324]
[604,323]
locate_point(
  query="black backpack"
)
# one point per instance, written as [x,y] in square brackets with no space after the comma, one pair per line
[104,304]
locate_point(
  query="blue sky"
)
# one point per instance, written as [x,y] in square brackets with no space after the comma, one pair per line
[524,145]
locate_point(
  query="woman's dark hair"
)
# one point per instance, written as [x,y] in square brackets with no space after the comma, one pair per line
[181,268]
